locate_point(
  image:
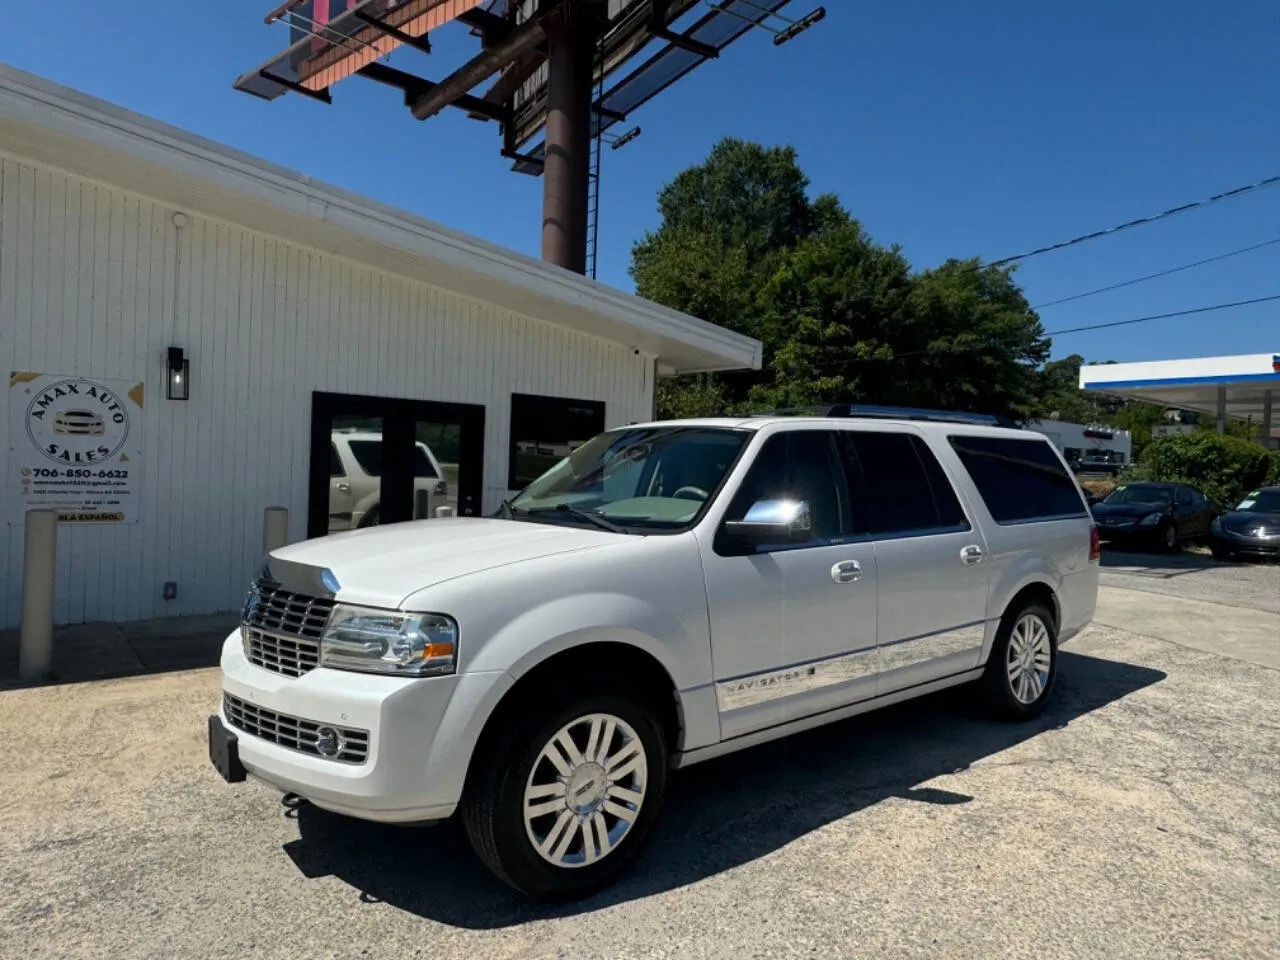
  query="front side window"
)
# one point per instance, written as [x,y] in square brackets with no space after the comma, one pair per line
[904,487]
[1019,480]
[797,465]
[1184,496]
[335,462]
[642,479]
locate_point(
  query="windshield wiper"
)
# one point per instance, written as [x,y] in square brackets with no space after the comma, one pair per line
[587,515]
[506,510]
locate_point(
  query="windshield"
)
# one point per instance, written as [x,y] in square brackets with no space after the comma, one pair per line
[1156,496]
[1261,501]
[650,478]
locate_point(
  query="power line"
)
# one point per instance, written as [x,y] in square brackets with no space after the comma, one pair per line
[1153,276]
[1163,316]
[1217,197]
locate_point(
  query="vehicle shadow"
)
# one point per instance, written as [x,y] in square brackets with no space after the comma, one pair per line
[1162,565]
[719,814]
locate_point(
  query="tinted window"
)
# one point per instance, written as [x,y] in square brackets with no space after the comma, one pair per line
[368,454]
[335,462]
[545,430]
[898,486]
[1156,496]
[1019,480]
[1184,495]
[797,465]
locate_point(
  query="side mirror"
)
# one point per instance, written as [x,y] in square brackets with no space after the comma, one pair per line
[772,522]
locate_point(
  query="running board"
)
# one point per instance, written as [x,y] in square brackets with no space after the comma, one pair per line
[690,757]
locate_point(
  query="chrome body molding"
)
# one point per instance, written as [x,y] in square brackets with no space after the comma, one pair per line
[690,757]
[899,654]
[800,678]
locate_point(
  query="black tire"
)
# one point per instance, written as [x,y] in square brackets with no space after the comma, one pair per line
[998,696]
[492,809]
[1222,553]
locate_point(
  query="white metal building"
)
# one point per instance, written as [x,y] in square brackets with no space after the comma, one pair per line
[297,310]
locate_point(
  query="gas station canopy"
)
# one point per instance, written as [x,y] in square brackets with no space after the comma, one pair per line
[1244,387]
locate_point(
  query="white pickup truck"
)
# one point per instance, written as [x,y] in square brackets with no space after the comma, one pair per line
[667,593]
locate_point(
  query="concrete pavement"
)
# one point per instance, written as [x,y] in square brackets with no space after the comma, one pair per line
[1139,817]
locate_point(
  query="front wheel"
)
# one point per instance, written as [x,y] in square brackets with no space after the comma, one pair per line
[561,810]
[1023,665]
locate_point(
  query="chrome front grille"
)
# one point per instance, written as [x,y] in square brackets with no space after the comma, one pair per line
[276,610]
[291,656]
[341,744]
[281,629]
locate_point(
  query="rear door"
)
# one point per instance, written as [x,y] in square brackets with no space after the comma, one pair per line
[930,559]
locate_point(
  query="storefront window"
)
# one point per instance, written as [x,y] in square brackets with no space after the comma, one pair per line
[545,430]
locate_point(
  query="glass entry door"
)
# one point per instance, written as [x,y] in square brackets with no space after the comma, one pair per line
[377,460]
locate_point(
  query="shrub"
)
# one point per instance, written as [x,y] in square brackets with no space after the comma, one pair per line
[1274,475]
[1224,468]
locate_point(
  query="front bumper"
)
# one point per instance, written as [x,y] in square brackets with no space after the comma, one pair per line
[421,735]
[1225,541]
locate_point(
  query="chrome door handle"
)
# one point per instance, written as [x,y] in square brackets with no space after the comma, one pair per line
[971,554]
[344,487]
[846,571]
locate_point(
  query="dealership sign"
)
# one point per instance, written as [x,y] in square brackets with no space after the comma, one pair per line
[75,445]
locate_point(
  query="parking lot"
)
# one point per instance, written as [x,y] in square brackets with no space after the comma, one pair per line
[1139,817]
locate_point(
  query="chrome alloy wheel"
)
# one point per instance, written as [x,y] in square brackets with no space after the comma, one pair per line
[1029,659]
[585,790]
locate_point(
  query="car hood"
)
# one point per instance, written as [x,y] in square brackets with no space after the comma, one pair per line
[1134,511]
[1250,519]
[382,566]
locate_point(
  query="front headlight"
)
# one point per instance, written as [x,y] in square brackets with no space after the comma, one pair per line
[388,641]
[1151,519]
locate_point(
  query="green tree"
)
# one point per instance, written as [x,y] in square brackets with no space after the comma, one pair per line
[840,316]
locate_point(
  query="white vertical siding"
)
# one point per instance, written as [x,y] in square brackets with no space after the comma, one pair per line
[98,282]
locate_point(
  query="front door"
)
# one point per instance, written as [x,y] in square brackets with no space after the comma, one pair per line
[377,460]
[793,629]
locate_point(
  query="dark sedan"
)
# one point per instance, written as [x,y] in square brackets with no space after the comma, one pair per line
[1159,515]
[1251,529]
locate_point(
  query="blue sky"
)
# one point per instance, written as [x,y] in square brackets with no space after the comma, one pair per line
[950,128]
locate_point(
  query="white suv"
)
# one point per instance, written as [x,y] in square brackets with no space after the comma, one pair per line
[668,593]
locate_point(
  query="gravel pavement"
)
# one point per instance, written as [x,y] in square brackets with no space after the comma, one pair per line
[1139,817]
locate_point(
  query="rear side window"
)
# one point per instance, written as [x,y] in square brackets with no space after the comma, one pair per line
[1020,480]
[898,486]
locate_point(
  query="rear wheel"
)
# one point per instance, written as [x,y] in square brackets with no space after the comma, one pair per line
[1023,666]
[562,809]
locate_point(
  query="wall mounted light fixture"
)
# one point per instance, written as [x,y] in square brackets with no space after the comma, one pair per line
[178,385]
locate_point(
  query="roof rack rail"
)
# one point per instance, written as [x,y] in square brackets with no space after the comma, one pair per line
[918,413]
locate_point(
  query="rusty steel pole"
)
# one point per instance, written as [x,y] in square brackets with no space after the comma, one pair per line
[571,39]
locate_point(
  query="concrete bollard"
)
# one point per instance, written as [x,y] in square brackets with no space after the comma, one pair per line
[275,528]
[35,651]
[444,511]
